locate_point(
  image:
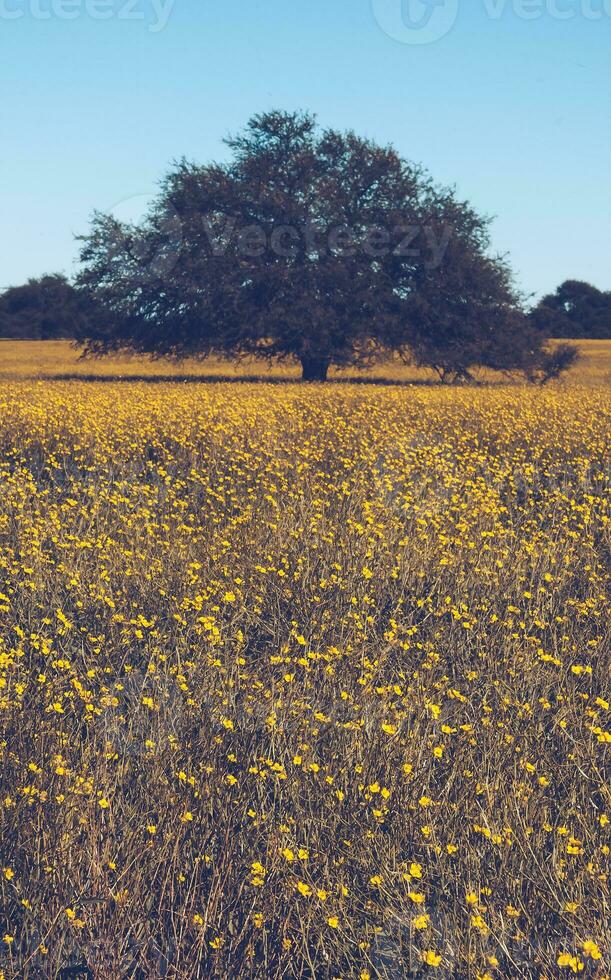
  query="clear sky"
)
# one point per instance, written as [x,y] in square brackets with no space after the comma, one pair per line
[510,100]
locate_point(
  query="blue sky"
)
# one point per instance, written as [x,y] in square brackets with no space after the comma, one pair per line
[511,103]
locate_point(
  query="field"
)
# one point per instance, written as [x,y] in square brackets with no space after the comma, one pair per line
[302,681]
[53,360]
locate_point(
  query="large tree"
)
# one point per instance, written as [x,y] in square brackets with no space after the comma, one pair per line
[316,245]
[576,309]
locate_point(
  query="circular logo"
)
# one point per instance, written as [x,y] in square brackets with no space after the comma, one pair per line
[415,21]
[149,244]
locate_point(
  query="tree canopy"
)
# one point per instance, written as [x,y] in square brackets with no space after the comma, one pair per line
[46,308]
[576,309]
[313,244]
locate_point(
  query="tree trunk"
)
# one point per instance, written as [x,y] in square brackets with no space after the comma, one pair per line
[314,368]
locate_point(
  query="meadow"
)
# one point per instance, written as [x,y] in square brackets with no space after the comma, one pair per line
[301,680]
[58,359]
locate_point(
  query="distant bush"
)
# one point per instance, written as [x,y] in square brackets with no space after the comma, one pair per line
[47,308]
[576,310]
[550,364]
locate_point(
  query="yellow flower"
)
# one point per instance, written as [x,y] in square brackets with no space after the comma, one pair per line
[303,889]
[430,957]
[421,921]
[103,802]
[571,962]
[591,949]
[477,922]
[258,873]
[333,921]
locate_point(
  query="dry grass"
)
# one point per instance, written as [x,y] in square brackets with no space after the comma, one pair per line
[51,359]
[302,681]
